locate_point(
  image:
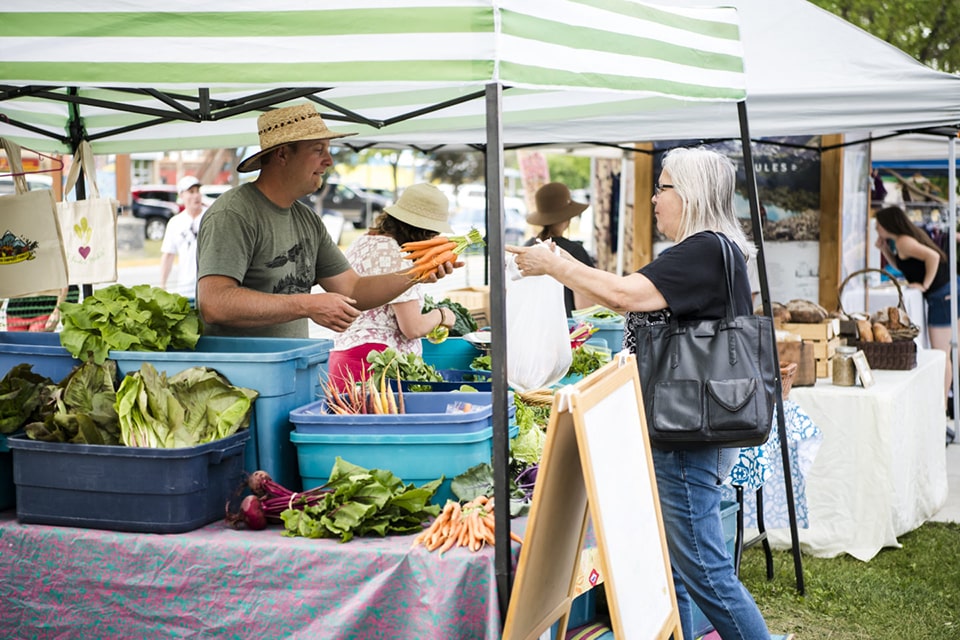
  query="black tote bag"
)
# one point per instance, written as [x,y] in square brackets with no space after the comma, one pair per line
[710,383]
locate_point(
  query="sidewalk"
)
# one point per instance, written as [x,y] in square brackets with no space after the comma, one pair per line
[950,512]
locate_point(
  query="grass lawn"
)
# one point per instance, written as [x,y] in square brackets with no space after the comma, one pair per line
[912,593]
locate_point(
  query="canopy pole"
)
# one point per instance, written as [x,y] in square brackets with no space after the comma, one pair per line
[754,200]
[952,217]
[621,212]
[498,339]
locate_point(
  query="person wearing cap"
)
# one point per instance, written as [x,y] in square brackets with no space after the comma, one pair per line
[555,209]
[421,212]
[180,239]
[260,251]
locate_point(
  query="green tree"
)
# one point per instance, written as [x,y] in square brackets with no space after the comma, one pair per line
[928,30]
[455,167]
[573,171]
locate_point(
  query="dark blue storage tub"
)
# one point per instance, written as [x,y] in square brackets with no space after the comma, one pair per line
[125,488]
[453,380]
[42,350]
[8,494]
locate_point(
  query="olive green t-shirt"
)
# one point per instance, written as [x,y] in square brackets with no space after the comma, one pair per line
[244,236]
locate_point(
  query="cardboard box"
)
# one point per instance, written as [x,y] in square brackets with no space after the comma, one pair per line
[475,299]
[814,331]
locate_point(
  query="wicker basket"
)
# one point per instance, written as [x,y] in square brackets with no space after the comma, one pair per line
[788,371]
[903,333]
[900,355]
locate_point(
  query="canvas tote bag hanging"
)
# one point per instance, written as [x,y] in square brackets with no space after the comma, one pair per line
[31,249]
[88,227]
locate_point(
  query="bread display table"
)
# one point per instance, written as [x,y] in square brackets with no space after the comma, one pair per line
[877,298]
[880,471]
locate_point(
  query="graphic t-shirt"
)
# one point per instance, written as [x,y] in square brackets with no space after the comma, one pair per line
[268,248]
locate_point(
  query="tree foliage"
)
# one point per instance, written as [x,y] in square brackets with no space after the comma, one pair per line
[928,30]
[455,167]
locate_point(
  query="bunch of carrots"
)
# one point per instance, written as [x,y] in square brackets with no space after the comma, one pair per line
[471,525]
[364,397]
[429,254]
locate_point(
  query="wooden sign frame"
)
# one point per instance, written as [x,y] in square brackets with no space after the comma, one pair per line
[597,458]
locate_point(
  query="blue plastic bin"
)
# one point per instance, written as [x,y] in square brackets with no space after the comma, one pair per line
[126,488]
[425,413]
[453,379]
[42,350]
[728,515]
[284,371]
[8,492]
[415,458]
[452,353]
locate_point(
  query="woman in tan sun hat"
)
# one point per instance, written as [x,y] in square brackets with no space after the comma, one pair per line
[260,251]
[420,213]
[555,209]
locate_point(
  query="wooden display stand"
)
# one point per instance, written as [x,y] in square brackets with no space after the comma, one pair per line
[597,455]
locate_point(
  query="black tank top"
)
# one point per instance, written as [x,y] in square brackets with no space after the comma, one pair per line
[914,271]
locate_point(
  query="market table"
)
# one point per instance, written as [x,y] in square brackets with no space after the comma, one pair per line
[64,582]
[880,471]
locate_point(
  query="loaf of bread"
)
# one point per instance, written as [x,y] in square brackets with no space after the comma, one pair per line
[893,318]
[865,331]
[881,333]
[805,311]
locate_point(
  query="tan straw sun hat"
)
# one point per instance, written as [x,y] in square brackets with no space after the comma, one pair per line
[286,125]
[422,206]
[554,204]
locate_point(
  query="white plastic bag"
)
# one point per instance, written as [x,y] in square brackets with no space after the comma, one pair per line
[538,338]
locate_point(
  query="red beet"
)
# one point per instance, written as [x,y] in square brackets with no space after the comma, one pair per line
[252,512]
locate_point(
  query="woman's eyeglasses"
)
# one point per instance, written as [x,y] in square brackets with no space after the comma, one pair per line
[658,188]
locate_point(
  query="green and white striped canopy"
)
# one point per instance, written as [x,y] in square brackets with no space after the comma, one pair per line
[141,75]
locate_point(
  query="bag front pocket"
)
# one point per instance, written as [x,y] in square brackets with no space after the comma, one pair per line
[733,404]
[677,406]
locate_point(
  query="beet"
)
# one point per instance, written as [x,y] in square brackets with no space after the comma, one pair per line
[252,512]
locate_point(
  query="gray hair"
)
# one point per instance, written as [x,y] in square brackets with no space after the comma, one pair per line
[705,181]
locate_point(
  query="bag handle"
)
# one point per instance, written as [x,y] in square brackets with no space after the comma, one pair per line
[16,164]
[83,158]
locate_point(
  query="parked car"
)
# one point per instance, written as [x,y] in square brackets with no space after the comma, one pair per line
[34,181]
[357,208]
[212,191]
[155,204]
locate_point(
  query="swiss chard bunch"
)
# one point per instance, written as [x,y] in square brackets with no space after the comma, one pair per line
[20,392]
[140,318]
[360,502]
[465,322]
[400,366]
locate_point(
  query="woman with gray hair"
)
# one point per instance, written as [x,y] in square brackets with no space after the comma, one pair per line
[693,197]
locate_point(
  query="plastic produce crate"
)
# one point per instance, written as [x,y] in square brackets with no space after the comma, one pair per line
[426,413]
[8,493]
[42,350]
[284,371]
[728,515]
[125,488]
[452,353]
[453,379]
[415,458]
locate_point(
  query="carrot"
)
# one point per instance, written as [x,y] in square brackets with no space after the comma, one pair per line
[516,538]
[431,251]
[452,537]
[422,269]
[401,407]
[413,245]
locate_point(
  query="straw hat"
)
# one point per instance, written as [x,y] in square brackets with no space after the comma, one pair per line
[422,206]
[286,125]
[554,205]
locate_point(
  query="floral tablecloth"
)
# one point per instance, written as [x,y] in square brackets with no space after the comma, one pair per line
[216,582]
[763,467]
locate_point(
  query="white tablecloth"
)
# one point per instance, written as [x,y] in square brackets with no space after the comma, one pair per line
[881,468]
[885,296]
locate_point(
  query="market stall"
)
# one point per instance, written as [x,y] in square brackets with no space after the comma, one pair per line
[880,471]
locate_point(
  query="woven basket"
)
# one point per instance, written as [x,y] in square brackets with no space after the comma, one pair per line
[788,371]
[903,333]
[899,355]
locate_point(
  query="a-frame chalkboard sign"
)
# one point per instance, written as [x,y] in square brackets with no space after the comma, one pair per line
[596,457]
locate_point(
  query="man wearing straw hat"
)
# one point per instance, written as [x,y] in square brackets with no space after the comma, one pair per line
[260,251]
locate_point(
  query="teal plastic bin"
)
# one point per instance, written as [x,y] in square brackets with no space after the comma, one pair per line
[452,353]
[728,515]
[583,610]
[39,349]
[284,371]
[415,458]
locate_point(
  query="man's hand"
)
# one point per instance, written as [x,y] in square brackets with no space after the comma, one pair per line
[333,311]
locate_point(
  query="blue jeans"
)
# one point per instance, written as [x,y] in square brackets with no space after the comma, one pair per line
[688,483]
